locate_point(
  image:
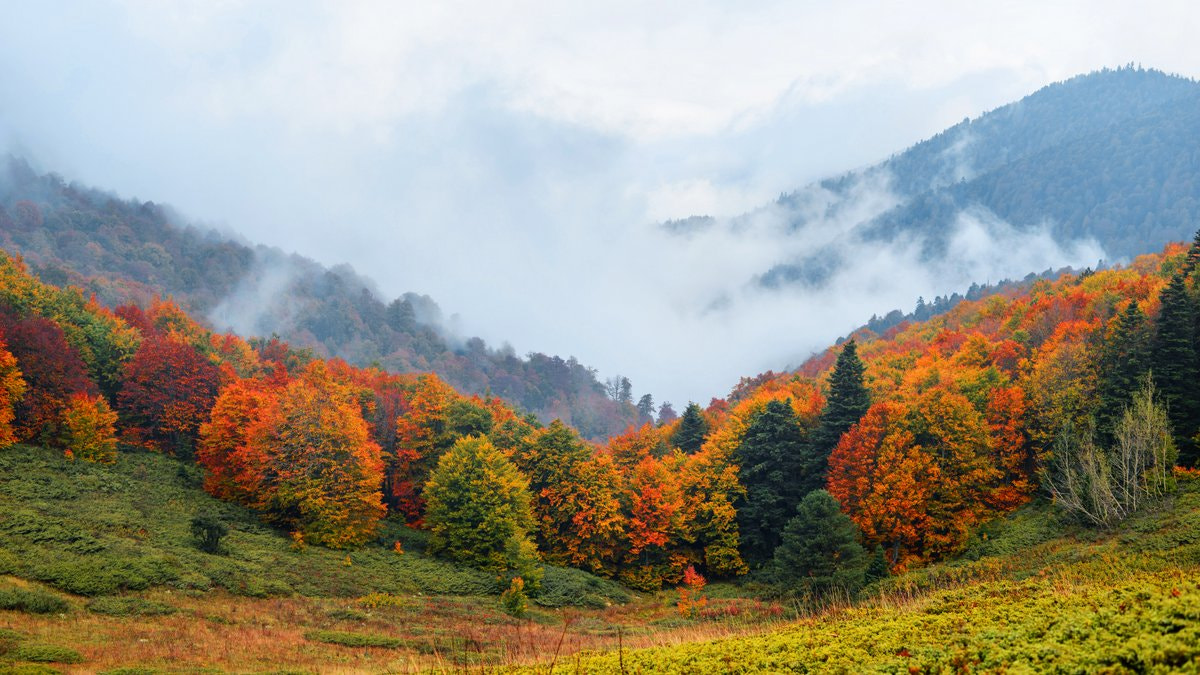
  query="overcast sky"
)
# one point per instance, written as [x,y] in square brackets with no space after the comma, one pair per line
[511,158]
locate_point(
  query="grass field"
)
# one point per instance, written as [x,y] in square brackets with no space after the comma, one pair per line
[99,573]
[1031,596]
[98,566]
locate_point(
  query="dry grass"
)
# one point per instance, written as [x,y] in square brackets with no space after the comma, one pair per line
[450,634]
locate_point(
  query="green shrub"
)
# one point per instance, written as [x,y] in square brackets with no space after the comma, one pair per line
[129,606]
[348,615]
[208,530]
[564,587]
[132,670]
[28,669]
[47,654]
[347,639]
[32,601]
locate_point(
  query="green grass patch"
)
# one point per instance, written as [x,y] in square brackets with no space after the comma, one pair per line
[28,669]
[348,639]
[100,530]
[46,654]
[32,601]
[129,606]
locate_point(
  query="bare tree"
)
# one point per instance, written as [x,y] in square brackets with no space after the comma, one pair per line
[1103,487]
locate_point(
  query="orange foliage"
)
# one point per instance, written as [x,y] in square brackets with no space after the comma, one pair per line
[885,481]
[89,429]
[12,388]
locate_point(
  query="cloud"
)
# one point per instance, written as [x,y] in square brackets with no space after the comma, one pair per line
[512,159]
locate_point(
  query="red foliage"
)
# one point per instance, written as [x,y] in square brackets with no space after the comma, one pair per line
[51,368]
[167,392]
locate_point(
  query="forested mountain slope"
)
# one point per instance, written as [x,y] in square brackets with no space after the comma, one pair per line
[1112,156]
[128,251]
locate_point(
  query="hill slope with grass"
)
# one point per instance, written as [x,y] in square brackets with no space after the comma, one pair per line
[1031,594]
[88,551]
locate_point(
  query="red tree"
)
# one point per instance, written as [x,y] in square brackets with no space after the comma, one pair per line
[167,392]
[53,371]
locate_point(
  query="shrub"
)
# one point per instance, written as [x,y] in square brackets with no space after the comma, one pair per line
[348,639]
[208,531]
[32,601]
[122,606]
[374,600]
[47,654]
[513,601]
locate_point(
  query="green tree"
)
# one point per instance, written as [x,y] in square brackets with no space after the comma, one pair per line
[692,431]
[777,467]
[820,552]
[478,507]
[1123,362]
[1174,364]
[208,530]
[848,402]
[645,407]
[1103,486]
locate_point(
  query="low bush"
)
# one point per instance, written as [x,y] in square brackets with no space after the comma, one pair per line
[32,601]
[47,654]
[129,606]
[348,639]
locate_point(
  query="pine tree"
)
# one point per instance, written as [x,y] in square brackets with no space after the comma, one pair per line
[1174,365]
[693,429]
[777,467]
[1123,362]
[848,402]
[820,553]
[645,407]
[1193,256]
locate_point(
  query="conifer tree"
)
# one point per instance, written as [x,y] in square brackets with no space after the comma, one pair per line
[848,402]
[1174,365]
[1193,256]
[1123,362]
[820,552]
[693,429]
[777,468]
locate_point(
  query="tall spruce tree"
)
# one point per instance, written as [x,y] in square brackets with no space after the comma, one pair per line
[848,402]
[777,467]
[1124,360]
[692,431]
[1173,363]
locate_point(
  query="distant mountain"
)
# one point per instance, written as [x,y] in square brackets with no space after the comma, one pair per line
[130,251]
[1113,156]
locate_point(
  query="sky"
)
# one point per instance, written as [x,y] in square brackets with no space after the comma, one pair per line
[513,159]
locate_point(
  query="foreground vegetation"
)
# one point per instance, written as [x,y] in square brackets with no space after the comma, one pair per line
[1032,595]
[98,565]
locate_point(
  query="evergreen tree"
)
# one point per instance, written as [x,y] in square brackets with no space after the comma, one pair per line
[1174,365]
[1123,363]
[848,402]
[878,567]
[820,552]
[777,467]
[1193,256]
[693,429]
[645,407]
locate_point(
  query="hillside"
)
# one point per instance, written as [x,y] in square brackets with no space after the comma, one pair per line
[1109,156]
[130,252]
[373,512]
[1030,595]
